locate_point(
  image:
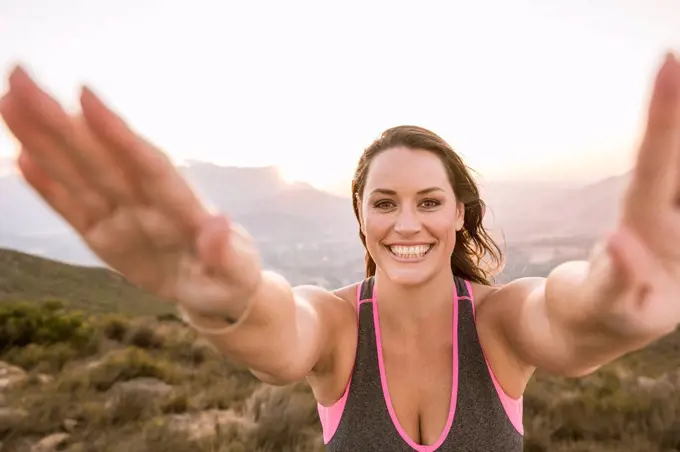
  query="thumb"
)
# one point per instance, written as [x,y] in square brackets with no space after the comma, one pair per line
[213,240]
[226,249]
[630,256]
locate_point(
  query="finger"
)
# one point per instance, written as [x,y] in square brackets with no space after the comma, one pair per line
[38,103]
[642,276]
[54,194]
[161,184]
[70,138]
[144,158]
[101,166]
[213,241]
[31,136]
[633,260]
[46,154]
[656,172]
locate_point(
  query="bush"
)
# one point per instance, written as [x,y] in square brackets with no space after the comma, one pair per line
[50,358]
[23,324]
[127,364]
[114,327]
[144,335]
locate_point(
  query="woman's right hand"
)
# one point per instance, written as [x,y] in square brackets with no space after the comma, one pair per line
[129,203]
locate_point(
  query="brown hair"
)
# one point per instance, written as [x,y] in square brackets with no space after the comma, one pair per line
[473,243]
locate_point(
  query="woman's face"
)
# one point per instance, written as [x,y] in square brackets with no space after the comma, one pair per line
[410,215]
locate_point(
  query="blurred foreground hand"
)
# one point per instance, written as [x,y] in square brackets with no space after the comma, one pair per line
[128,202]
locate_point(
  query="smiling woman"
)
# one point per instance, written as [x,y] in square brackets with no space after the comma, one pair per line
[401,161]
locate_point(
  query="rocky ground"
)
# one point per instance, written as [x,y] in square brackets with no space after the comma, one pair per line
[108,383]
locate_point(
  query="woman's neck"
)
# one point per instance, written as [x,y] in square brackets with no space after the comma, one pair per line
[412,306]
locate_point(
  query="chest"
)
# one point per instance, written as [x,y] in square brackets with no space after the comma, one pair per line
[418,382]
[400,397]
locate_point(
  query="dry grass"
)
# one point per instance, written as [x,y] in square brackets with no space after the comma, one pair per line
[136,385]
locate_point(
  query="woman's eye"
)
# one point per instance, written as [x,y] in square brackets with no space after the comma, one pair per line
[384,205]
[430,203]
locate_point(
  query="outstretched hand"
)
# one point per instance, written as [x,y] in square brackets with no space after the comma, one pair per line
[646,245]
[128,202]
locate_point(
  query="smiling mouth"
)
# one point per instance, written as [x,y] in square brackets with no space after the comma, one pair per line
[410,252]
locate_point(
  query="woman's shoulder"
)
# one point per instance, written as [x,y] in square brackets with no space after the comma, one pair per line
[338,309]
[507,292]
[482,292]
[343,298]
[349,294]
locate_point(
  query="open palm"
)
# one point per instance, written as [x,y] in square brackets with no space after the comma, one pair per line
[126,200]
[646,244]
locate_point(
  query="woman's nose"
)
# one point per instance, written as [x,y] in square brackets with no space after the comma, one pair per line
[407,222]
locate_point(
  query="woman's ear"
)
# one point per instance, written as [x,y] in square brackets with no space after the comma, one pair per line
[360,209]
[460,216]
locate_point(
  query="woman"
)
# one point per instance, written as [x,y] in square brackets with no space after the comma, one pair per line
[425,354]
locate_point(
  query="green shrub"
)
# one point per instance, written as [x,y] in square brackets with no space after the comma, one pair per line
[49,358]
[127,364]
[22,324]
[143,335]
[114,327]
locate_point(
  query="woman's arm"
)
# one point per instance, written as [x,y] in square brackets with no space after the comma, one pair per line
[133,209]
[284,334]
[627,295]
[573,321]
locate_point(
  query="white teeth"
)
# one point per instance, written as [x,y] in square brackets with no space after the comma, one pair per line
[410,251]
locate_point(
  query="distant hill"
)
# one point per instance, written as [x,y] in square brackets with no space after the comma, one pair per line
[535,211]
[587,211]
[259,198]
[24,277]
[289,220]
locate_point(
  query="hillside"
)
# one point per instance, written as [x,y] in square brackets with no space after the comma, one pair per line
[24,277]
[108,379]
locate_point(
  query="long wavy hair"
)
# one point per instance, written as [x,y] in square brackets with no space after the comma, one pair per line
[476,256]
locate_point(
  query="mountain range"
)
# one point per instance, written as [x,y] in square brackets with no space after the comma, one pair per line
[281,214]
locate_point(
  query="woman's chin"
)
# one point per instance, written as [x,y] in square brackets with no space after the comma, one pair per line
[411,275]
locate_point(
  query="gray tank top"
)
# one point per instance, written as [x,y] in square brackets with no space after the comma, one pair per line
[482,417]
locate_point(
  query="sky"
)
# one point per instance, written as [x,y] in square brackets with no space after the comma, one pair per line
[523,90]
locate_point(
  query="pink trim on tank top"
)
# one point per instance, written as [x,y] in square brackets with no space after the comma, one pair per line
[454,380]
[330,416]
[513,407]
